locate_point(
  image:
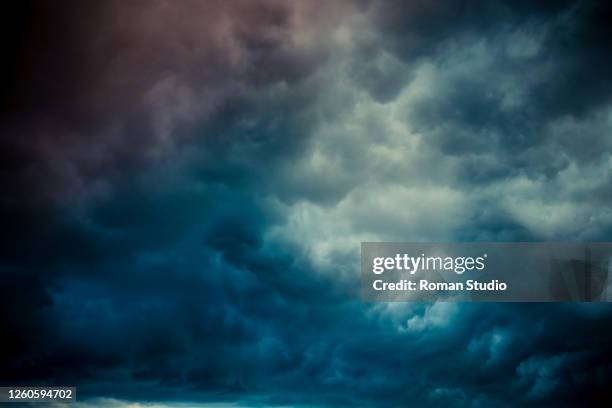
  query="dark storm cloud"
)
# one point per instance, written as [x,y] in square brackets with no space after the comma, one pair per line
[552,54]
[181,184]
[190,298]
[94,87]
[481,113]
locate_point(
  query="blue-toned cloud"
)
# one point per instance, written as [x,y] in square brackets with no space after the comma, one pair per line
[186,187]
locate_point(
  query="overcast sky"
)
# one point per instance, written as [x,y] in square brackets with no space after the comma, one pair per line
[186,186]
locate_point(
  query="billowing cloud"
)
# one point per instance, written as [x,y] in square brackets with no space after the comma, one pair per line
[187,184]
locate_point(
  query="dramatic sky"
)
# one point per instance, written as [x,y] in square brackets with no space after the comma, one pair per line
[185,186]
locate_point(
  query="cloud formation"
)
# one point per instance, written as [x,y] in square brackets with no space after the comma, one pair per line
[186,186]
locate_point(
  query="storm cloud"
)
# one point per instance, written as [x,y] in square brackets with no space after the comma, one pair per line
[186,185]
